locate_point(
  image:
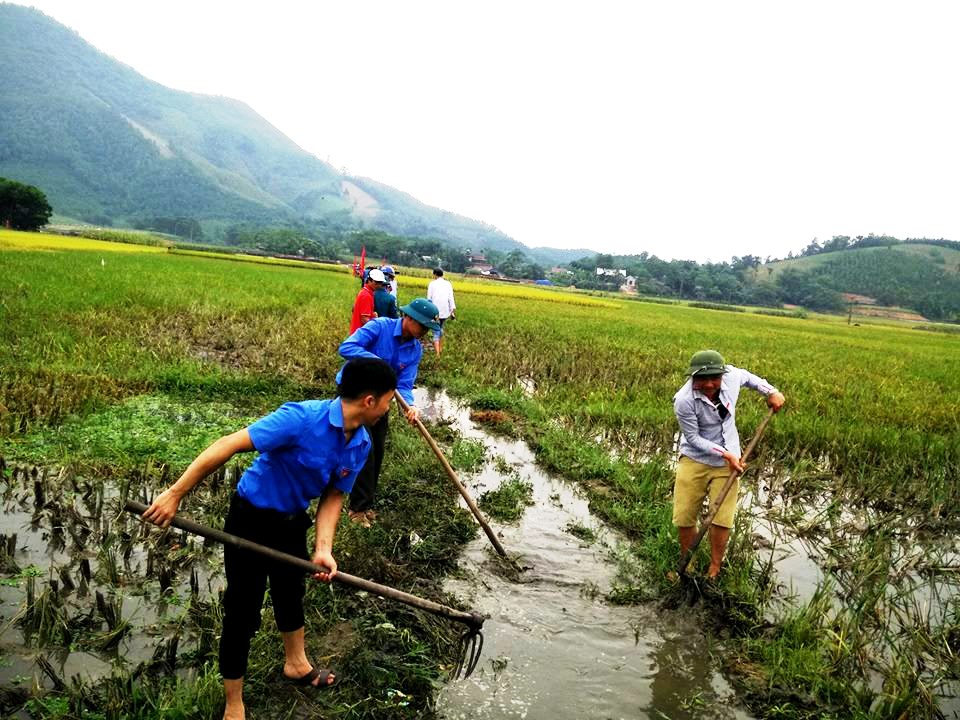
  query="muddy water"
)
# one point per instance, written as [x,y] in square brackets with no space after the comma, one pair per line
[554,649]
[39,554]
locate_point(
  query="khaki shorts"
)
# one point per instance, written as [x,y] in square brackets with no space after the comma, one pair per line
[694,481]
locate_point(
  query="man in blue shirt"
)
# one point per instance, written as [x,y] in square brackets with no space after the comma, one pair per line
[397,342]
[391,276]
[706,408]
[312,449]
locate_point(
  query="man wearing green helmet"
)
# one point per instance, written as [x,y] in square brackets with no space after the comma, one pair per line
[706,408]
[398,342]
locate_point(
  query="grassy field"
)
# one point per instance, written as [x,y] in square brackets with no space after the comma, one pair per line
[861,465]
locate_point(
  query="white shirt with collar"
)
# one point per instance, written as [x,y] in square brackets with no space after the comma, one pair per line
[704,436]
[440,293]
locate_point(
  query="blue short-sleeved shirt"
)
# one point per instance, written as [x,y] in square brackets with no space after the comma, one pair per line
[302,450]
[383,338]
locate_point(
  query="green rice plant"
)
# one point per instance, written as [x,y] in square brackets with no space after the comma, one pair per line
[44,618]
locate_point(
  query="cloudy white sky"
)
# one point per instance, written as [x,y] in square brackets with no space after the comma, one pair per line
[698,130]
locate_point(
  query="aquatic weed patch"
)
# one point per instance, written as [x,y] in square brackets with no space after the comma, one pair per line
[508,501]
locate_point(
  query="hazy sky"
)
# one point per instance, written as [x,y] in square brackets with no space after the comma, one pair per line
[694,130]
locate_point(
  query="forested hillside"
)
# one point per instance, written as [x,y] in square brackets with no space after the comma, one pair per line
[915,274]
[111,147]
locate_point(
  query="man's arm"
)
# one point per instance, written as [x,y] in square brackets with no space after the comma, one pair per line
[367,311]
[165,505]
[453,305]
[774,397]
[328,513]
[357,344]
[405,381]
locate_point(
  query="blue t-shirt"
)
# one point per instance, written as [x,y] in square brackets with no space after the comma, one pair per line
[302,450]
[383,338]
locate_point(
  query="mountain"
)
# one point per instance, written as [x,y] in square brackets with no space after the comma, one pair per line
[402,214]
[109,146]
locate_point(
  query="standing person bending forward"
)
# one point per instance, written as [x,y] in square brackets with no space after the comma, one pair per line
[397,342]
[312,449]
[706,408]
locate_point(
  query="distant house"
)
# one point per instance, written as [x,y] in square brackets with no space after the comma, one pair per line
[611,272]
[560,271]
[478,263]
[629,285]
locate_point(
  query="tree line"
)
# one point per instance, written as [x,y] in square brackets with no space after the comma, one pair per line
[908,279]
[918,281]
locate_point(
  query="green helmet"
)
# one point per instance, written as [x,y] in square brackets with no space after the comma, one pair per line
[706,363]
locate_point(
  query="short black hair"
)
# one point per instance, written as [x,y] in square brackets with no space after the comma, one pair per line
[366,376]
[438,272]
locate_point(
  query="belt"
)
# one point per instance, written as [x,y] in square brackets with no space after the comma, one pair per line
[275,515]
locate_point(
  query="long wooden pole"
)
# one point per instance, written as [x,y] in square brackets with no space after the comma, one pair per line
[473,620]
[453,476]
[734,474]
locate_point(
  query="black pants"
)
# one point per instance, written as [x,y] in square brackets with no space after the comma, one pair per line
[364,492]
[247,574]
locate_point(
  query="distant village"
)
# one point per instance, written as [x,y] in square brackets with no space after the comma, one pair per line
[481,266]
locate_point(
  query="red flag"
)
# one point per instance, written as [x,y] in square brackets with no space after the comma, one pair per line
[363,259]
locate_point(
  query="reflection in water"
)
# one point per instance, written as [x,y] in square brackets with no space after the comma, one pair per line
[554,648]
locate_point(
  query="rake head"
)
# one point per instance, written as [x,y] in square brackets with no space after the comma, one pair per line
[471,645]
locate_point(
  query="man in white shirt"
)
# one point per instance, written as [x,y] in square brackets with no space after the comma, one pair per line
[440,293]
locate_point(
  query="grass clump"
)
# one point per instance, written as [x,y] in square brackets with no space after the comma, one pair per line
[467,455]
[508,502]
[581,531]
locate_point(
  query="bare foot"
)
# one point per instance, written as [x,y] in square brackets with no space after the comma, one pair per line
[234,712]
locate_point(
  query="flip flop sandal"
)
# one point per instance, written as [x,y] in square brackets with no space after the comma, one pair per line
[307,680]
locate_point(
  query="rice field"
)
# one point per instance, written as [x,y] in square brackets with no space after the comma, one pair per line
[122,361]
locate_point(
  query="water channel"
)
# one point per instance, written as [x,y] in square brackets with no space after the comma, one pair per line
[554,648]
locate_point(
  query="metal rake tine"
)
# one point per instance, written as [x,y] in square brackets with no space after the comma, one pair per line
[475,651]
[461,655]
[471,646]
